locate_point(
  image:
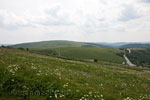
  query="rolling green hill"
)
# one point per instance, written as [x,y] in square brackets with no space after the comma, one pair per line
[75,50]
[29,76]
[49,44]
[86,53]
[56,43]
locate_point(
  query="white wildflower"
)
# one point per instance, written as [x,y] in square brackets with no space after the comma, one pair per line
[55,95]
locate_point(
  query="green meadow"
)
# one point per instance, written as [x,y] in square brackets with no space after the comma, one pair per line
[85,53]
[30,76]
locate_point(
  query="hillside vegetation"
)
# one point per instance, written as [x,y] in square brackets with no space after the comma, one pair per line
[140,56]
[25,75]
[86,53]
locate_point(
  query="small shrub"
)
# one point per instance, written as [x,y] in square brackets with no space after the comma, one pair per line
[3,46]
[95,60]
[27,49]
[21,48]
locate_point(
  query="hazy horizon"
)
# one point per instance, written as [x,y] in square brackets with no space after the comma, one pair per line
[73,41]
[23,21]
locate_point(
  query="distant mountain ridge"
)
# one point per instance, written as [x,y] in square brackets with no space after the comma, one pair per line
[5,44]
[113,45]
[136,45]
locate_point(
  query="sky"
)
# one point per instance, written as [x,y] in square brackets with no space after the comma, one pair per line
[77,20]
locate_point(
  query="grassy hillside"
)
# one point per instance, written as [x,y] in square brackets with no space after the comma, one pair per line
[49,44]
[75,50]
[89,53]
[30,76]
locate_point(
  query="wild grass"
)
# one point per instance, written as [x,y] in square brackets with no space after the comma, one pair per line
[25,75]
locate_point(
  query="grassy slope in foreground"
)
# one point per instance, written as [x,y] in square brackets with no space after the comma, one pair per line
[23,75]
[89,53]
[49,44]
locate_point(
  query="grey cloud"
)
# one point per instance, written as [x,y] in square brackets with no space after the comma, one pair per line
[129,13]
[145,1]
[120,30]
[11,21]
[94,25]
[53,11]
[53,18]
[101,19]
[103,1]
[56,22]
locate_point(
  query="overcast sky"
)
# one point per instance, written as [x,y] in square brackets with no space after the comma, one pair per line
[76,20]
